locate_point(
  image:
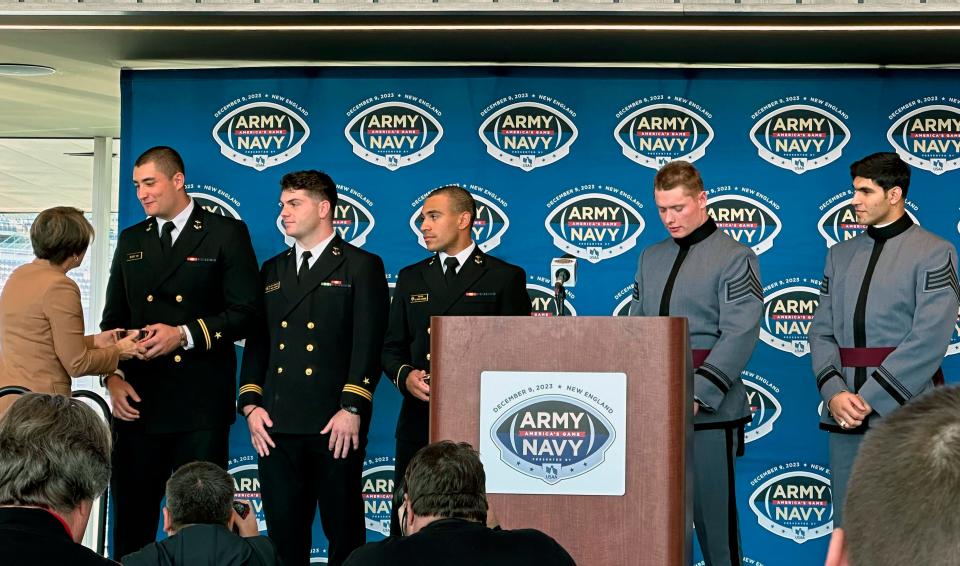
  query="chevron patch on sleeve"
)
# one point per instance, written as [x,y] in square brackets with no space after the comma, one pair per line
[942,278]
[745,285]
[825,286]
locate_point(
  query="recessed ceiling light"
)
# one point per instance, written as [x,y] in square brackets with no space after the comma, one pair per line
[18,70]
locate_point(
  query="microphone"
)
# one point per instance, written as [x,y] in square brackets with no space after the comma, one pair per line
[563,274]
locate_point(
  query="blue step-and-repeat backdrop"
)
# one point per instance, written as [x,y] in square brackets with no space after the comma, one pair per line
[561,161]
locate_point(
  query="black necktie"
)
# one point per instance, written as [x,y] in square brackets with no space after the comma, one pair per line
[166,237]
[451,273]
[304,266]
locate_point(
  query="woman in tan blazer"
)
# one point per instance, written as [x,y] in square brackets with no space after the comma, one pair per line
[42,344]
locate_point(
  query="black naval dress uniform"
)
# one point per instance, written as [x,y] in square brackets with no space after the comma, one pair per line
[208,282]
[317,352]
[483,286]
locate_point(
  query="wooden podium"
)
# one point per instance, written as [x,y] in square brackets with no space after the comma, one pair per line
[650,525]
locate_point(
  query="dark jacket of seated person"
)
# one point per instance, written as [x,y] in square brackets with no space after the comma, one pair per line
[199,518]
[444,514]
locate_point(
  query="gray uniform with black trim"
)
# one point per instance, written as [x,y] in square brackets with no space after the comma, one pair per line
[713,281]
[911,305]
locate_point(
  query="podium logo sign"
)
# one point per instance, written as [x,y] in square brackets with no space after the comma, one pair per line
[352,218]
[765,409]
[594,225]
[262,134]
[799,137]
[669,129]
[929,137]
[377,492]
[788,309]
[739,212]
[553,437]
[490,224]
[553,432]
[394,134]
[796,504]
[839,223]
[528,134]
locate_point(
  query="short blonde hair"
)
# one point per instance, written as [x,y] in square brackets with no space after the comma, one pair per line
[676,174]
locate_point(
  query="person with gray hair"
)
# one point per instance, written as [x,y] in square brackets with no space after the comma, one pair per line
[904,490]
[54,462]
[199,519]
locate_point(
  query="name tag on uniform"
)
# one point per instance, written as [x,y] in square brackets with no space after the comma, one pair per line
[421,298]
[272,287]
[134,256]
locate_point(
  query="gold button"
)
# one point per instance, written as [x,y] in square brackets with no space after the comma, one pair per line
[428,356]
[149,298]
[179,298]
[177,358]
[308,371]
[279,370]
[309,347]
[283,324]
[310,325]
[282,345]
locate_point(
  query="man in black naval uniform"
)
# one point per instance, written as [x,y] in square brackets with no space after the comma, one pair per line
[459,280]
[189,278]
[309,372]
[703,274]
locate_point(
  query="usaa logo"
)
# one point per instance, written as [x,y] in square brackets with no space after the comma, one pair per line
[542,301]
[593,224]
[394,134]
[378,485]
[261,134]
[739,212]
[666,128]
[623,297]
[928,137]
[246,485]
[839,223]
[552,437]
[788,309]
[213,199]
[528,134]
[799,137]
[352,219]
[764,407]
[490,224]
[796,503]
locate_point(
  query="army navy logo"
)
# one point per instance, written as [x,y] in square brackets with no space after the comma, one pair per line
[261,134]
[213,199]
[799,137]
[528,135]
[489,226]
[788,309]
[246,486]
[796,504]
[352,218]
[552,437]
[739,212]
[929,137]
[659,133]
[764,407]
[394,134]
[542,301]
[625,297]
[594,225]
[839,223]
[378,487]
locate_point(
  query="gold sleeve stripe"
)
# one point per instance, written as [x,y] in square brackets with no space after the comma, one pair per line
[206,333]
[251,388]
[348,388]
[397,378]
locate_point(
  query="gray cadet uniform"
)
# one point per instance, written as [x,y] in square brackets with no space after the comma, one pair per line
[888,306]
[714,281]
